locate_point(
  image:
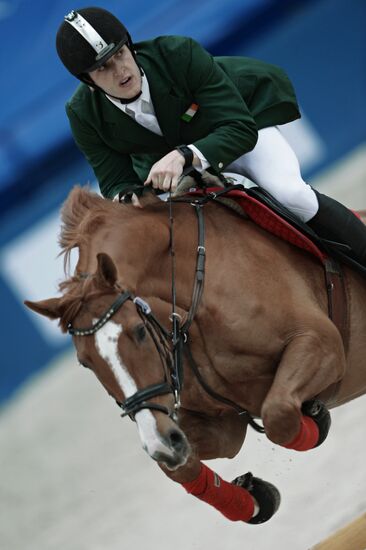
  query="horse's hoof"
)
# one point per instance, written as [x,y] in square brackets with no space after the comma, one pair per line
[320,414]
[266,495]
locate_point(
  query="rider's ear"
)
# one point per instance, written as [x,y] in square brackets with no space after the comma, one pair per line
[50,308]
[107,271]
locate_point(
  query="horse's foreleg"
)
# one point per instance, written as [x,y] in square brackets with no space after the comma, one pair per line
[209,438]
[213,438]
[313,360]
[248,498]
[234,502]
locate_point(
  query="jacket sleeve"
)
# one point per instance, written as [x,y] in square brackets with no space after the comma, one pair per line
[114,171]
[233,130]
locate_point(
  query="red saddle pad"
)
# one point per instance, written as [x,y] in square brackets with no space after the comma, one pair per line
[269,220]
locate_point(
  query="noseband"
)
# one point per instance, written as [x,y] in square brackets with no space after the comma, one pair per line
[170,346]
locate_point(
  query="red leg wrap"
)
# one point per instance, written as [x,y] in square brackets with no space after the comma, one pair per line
[308,436]
[234,502]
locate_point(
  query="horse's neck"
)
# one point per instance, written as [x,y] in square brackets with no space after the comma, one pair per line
[147,260]
[138,244]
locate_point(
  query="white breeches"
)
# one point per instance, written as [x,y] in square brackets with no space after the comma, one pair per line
[273,165]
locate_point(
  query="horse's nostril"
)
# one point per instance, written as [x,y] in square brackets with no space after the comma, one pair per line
[177,440]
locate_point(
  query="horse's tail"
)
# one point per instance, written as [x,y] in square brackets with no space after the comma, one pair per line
[75,213]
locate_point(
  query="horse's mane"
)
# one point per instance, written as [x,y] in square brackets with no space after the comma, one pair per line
[82,213]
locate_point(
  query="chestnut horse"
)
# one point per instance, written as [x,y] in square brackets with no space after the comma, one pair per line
[260,338]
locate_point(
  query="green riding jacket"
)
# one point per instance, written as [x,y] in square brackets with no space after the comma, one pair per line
[236,96]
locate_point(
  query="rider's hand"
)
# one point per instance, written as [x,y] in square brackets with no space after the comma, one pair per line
[165,173]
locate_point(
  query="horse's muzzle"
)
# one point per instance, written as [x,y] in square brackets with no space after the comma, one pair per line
[178,450]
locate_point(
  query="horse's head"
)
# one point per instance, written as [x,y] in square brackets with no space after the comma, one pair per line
[129,350]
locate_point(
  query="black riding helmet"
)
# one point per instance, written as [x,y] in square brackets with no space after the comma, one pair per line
[87,38]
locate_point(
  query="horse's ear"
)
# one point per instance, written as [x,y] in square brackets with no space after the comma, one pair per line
[107,271]
[50,308]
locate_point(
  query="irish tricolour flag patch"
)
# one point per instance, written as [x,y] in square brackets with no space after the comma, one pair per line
[189,114]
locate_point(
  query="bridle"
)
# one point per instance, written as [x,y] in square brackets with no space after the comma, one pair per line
[161,338]
[170,345]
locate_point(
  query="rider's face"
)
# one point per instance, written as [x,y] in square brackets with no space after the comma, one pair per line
[119,76]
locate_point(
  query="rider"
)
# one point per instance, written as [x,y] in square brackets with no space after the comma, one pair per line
[146,111]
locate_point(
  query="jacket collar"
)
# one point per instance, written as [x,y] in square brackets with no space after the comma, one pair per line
[167,105]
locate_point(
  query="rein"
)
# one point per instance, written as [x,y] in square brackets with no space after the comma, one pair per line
[183,342]
[170,346]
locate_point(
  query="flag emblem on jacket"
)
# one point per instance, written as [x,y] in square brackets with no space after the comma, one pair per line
[189,114]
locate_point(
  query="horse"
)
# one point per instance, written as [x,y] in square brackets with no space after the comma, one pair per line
[258,338]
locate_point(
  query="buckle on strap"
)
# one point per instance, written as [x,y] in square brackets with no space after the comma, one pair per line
[144,306]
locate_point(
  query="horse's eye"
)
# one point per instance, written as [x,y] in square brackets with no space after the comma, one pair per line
[140,333]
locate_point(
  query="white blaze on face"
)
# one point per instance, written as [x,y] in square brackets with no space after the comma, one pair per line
[106,341]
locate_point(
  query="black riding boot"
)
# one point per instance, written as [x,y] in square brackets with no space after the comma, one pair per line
[334,222]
